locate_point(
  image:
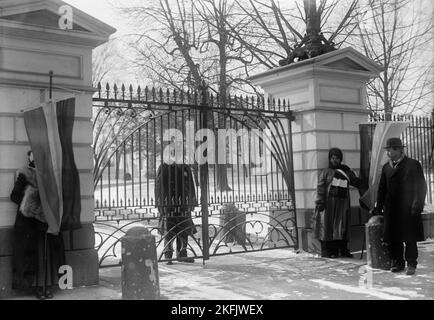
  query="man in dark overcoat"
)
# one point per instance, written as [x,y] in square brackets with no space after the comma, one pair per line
[401,199]
[175,195]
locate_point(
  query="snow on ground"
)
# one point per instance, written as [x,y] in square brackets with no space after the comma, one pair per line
[359,290]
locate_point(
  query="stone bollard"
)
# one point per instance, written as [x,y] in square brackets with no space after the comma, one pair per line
[378,255]
[139,265]
[233,222]
[428,221]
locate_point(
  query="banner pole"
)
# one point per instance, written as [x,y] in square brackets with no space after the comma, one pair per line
[45,264]
[51,84]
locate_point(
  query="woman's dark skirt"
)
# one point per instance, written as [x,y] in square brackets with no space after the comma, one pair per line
[28,257]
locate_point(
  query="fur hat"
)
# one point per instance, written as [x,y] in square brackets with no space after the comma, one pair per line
[336,152]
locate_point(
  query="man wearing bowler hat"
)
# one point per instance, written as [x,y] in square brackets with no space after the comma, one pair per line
[401,199]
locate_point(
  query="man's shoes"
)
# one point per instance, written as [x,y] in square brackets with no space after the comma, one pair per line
[410,271]
[329,255]
[397,268]
[48,294]
[40,295]
[168,255]
[346,254]
[186,259]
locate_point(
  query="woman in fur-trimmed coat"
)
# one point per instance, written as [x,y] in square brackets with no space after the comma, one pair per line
[29,237]
[331,220]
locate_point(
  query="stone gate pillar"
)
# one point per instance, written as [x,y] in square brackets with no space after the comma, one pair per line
[328,96]
[34,39]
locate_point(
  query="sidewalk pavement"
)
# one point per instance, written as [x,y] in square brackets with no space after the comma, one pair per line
[279,274]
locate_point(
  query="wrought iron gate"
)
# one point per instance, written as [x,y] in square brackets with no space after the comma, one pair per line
[240,156]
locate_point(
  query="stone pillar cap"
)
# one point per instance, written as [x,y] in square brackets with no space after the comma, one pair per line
[137,233]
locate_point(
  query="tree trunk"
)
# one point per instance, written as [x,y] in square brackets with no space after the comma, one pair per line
[387,103]
[222,169]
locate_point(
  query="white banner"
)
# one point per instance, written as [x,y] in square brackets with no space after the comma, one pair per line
[383,131]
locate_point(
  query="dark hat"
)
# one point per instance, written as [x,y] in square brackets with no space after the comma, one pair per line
[394,143]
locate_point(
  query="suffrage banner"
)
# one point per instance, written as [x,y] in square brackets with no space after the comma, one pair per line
[366,131]
[71,193]
[383,131]
[50,135]
[43,134]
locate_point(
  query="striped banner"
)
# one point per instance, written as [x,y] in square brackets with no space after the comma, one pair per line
[49,129]
[42,131]
[383,131]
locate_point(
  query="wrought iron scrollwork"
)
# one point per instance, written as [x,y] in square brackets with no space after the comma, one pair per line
[241,233]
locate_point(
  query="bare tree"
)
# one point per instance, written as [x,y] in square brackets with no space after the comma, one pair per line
[167,43]
[231,57]
[107,125]
[186,43]
[281,35]
[397,34]
[105,62]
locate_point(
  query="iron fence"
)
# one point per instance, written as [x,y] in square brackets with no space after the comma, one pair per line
[419,140]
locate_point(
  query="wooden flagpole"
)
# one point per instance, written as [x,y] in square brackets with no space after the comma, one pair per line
[45,258]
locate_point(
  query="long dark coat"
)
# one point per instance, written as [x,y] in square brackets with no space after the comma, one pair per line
[333,223]
[175,198]
[28,245]
[401,192]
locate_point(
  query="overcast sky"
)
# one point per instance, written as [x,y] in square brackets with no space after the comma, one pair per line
[100,9]
[103,10]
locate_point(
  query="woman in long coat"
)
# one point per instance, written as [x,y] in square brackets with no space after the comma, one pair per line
[175,195]
[29,239]
[331,220]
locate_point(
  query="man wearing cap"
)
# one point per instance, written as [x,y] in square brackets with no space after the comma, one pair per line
[401,199]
